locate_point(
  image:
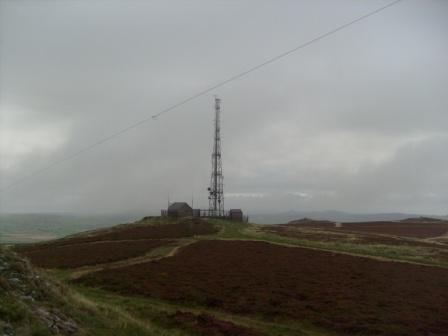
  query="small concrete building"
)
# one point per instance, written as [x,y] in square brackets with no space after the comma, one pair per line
[236,214]
[197,213]
[180,209]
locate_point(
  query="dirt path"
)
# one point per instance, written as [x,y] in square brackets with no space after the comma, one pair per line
[81,271]
[336,251]
[175,250]
[111,241]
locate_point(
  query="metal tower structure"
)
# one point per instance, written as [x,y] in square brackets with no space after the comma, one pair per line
[216,189]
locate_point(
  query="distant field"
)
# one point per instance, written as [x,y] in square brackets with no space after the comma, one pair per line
[31,228]
[26,238]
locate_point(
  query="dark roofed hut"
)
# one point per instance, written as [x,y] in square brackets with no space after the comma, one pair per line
[180,209]
[236,214]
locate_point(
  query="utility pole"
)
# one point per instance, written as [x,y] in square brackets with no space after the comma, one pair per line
[216,189]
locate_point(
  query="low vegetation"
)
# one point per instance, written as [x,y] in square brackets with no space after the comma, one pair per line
[344,293]
[85,254]
[326,235]
[147,228]
[162,276]
[30,303]
[35,303]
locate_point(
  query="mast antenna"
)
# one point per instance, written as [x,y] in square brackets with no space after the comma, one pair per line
[216,189]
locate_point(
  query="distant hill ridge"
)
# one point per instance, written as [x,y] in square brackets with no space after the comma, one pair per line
[334,216]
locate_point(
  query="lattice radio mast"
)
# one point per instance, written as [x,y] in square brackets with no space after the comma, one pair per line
[216,189]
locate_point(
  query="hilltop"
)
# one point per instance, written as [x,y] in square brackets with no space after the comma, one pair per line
[193,276]
[333,215]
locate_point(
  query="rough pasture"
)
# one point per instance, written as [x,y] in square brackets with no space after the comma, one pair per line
[413,227]
[77,255]
[145,229]
[351,295]
[416,229]
[334,235]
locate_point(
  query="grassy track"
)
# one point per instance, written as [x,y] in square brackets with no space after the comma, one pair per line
[413,254]
[154,311]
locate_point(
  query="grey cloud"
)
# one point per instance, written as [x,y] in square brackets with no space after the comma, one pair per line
[356,122]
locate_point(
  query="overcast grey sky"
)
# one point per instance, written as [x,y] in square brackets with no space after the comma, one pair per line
[355,122]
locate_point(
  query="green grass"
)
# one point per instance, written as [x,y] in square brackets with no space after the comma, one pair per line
[155,311]
[231,229]
[12,310]
[91,318]
[113,319]
[163,250]
[53,294]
